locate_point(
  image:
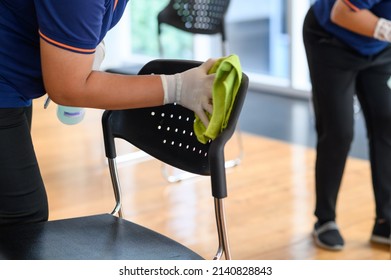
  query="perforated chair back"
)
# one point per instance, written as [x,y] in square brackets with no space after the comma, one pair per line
[166,132]
[195,16]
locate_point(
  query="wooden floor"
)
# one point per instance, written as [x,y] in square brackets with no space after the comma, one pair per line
[269,205]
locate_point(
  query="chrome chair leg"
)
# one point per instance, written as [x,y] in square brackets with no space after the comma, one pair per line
[116,187]
[222,231]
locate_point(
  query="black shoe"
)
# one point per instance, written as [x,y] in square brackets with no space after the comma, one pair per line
[327,236]
[381,233]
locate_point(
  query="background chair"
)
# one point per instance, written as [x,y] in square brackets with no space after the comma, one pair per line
[196,17]
[164,132]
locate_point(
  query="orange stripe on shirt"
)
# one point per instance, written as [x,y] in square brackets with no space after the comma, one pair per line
[350,5]
[65,46]
[115,4]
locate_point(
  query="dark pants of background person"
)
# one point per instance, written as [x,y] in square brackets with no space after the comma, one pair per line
[337,73]
[22,193]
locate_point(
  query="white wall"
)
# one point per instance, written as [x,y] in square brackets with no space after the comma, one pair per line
[118,43]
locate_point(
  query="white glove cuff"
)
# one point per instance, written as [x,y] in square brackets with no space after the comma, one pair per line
[178,88]
[172,85]
[383,30]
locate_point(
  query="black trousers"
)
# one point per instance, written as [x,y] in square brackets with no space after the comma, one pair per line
[22,193]
[337,73]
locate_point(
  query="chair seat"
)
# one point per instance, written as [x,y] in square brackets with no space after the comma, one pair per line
[99,237]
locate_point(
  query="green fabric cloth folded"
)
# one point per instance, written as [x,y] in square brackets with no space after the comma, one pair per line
[225,87]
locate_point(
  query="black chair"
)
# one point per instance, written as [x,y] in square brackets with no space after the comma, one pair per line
[196,17]
[164,132]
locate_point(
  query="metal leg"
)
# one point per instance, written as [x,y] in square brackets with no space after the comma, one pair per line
[222,231]
[160,45]
[173,175]
[116,187]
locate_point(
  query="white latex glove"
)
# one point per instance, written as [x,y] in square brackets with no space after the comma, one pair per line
[191,89]
[383,30]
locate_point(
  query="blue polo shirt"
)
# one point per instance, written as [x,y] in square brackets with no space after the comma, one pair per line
[364,45]
[74,25]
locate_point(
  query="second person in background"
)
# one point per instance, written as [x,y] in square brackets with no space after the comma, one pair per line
[348,53]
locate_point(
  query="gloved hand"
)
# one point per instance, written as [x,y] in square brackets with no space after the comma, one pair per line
[383,30]
[191,89]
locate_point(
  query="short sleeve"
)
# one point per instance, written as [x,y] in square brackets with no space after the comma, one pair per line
[361,4]
[75,25]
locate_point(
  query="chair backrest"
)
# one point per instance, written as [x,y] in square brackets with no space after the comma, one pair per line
[195,16]
[166,132]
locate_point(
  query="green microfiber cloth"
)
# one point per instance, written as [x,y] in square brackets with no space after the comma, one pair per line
[225,87]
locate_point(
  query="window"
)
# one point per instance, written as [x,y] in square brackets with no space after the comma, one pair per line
[267,36]
[143,14]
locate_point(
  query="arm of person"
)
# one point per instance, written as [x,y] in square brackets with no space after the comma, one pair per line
[347,16]
[70,80]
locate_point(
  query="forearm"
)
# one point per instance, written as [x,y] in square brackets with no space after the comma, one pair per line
[362,22]
[113,91]
[69,80]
